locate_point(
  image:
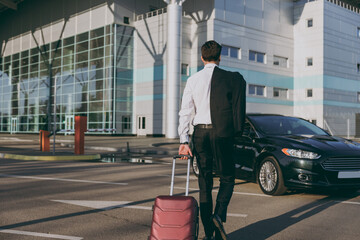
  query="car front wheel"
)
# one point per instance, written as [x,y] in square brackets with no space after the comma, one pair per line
[195,166]
[270,177]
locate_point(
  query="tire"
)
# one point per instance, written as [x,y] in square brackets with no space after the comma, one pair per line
[270,177]
[195,166]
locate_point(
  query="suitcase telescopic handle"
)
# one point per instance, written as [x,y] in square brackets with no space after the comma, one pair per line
[187,174]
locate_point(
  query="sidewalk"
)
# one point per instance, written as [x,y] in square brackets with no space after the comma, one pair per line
[26,147]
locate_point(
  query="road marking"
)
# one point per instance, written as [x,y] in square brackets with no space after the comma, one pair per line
[347,202]
[7,139]
[46,235]
[180,176]
[240,193]
[108,205]
[62,141]
[61,179]
[196,189]
[252,194]
[50,158]
[237,215]
[104,205]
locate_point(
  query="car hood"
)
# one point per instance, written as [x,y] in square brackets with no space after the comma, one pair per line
[318,142]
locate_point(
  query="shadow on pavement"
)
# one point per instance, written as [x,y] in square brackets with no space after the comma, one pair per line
[266,228]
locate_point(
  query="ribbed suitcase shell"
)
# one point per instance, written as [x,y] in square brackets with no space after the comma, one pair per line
[174,217]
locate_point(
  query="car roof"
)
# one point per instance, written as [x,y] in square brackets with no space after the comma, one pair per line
[264,114]
[271,115]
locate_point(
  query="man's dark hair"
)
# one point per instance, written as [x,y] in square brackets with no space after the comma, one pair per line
[211,51]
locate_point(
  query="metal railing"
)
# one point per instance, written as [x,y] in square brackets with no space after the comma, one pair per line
[345,5]
[327,127]
[151,14]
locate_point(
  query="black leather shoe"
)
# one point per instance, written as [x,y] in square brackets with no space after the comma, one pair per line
[219,226]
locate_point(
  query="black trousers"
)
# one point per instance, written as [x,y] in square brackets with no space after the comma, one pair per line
[211,150]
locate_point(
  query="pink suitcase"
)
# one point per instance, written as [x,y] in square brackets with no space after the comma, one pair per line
[175,217]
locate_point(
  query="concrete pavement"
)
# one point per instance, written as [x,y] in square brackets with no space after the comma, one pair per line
[26,146]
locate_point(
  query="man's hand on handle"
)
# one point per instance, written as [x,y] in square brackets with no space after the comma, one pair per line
[184,149]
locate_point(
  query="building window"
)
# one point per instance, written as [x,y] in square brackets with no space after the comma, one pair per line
[257,57]
[126,20]
[309,93]
[309,22]
[313,121]
[358,67]
[281,61]
[126,122]
[280,93]
[358,32]
[358,97]
[185,69]
[257,90]
[232,52]
[309,61]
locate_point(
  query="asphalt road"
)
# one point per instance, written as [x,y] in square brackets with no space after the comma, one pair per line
[93,200]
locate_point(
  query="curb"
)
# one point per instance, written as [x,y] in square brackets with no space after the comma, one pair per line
[124,150]
[51,158]
[110,149]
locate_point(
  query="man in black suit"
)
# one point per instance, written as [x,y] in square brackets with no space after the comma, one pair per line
[218,99]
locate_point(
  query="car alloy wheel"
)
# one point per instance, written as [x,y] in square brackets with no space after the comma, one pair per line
[195,166]
[270,177]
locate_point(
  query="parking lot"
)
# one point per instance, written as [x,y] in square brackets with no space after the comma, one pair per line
[96,200]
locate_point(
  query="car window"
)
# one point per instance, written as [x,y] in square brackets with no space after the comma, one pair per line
[282,125]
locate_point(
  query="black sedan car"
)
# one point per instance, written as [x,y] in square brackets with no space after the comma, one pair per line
[281,153]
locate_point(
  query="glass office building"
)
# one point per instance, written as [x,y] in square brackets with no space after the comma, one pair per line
[92,72]
[120,63]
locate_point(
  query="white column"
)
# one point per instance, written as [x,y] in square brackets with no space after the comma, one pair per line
[173,75]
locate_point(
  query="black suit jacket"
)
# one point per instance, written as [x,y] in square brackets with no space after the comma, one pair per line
[227,103]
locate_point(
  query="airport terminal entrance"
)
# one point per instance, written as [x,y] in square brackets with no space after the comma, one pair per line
[14,127]
[69,124]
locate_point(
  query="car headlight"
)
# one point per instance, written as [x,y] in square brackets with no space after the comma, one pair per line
[300,153]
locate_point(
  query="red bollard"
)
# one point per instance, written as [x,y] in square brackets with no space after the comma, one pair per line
[80,129]
[44,141]
[40,139]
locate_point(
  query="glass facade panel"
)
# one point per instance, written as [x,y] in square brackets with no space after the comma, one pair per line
[98,42]
[97,33]
[85,68]
[83,46]
[34,51]
[124,78]
[68,50]
[82,37]
[68,41]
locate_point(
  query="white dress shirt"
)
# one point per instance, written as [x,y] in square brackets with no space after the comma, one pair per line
[196,97]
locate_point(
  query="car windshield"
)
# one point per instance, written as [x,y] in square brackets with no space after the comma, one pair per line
[281,125]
